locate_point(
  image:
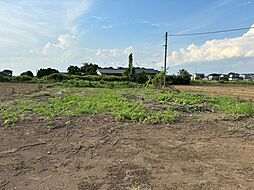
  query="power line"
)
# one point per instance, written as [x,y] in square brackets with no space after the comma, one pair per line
[156,43]
[210,32]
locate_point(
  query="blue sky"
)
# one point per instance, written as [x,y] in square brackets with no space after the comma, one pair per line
[52,33]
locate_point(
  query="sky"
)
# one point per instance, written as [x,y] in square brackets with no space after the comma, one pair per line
[38,34]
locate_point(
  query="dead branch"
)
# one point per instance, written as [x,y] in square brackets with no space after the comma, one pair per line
[31,145]
[21,147]
[116,142]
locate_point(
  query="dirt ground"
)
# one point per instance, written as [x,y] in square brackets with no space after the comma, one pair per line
[241,91]
[199,152]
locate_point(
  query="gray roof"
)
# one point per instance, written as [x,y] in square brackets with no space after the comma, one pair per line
[149,71]
[121,71]
[214,74]
[111,71]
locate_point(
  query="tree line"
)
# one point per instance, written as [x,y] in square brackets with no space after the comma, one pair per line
[90,70]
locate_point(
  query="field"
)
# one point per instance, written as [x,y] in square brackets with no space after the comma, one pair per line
[241,91]
[184,137]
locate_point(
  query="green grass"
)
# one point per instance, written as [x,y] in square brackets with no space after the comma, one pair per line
[125,104]
[87,102]
[231,107]
[97,84]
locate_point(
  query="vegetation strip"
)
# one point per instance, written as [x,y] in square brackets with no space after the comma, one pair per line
[123,103]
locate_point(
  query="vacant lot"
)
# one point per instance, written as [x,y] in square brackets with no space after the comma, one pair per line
[242,91]
[89,138]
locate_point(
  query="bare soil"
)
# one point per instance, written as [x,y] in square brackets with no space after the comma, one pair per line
[239,91]
[199,152]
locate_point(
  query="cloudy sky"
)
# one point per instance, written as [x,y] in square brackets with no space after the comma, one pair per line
[52,33]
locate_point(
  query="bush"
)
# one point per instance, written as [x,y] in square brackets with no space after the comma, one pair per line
[57,77]
[21,79]
[158,80]
[5,79]
[141,77]
[107,78]
[183,78]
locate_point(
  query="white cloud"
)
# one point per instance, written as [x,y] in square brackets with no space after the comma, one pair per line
[64,42]
[214,50]
[152,24]
[114,52]
[99,18]
[109,26]
[128,50]
[31,32]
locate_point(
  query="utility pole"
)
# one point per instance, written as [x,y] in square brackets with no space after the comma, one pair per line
[166,55]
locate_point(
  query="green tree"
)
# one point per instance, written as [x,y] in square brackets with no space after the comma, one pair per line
[45,72]
[27,73]
[130,72]
[89,69]
[6,73]
[131,63]
[74,70]
[183,77]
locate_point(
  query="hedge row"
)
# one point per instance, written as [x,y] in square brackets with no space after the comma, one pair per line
[16,79]
[58,77]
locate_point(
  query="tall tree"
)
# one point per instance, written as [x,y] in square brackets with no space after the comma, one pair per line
[183,77]
[7,73]
[27,73]
[74,70]
[131,63]
[130,72]
[45,72]
[89,69]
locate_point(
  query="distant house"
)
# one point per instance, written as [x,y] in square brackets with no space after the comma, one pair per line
[144,70]
[120,72]
[223,77]
[214,76]
[234,76]
[198,76]
[110,71]
[249,76]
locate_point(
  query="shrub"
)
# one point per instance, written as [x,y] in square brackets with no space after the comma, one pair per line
[21,79]
[141,77]
[158,80]
[107,78]
[183,78]
[58,77]
[5,79]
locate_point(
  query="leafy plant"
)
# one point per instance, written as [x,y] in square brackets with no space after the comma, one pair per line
[158,80]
